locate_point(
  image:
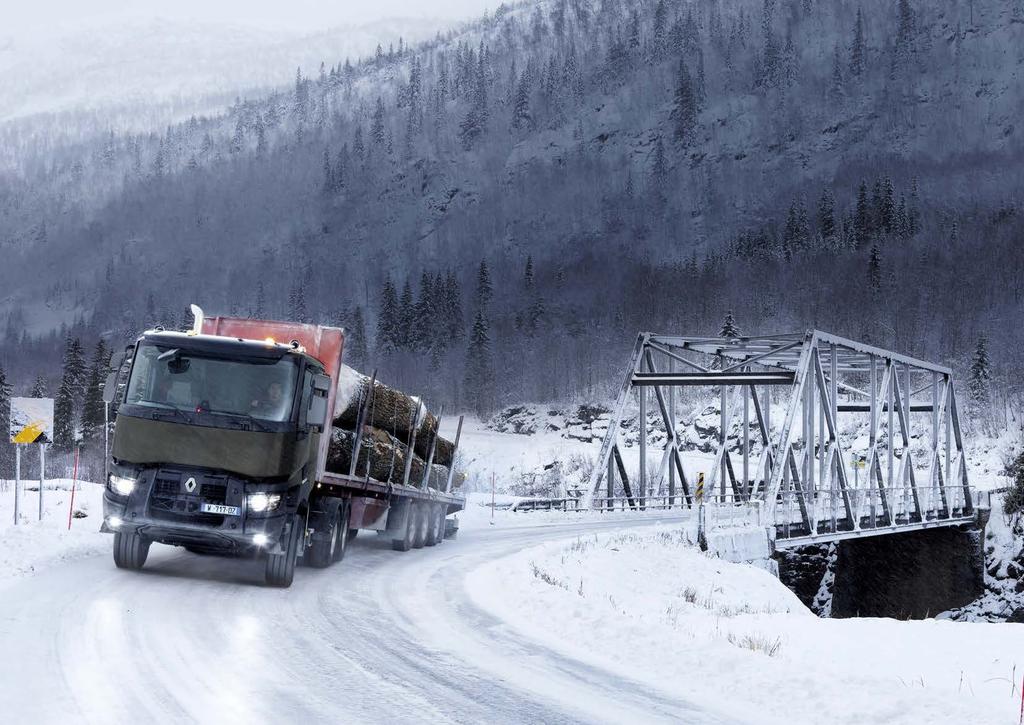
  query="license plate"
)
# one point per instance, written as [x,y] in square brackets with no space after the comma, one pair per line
[216,508]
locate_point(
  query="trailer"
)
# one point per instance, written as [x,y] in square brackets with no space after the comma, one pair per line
[220,446]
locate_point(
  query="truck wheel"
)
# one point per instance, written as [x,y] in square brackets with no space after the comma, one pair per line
[322,551]
[434,530]
[345,534]
[408,531]
[422,525]
[281,567]
[130,550]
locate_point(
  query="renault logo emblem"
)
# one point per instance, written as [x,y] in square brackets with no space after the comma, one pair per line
[190,484]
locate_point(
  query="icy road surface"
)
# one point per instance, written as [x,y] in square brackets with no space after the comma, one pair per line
[383,637]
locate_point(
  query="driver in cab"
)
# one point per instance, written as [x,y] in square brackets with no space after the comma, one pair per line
[268,402]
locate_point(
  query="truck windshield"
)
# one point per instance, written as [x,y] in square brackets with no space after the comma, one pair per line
[169,377]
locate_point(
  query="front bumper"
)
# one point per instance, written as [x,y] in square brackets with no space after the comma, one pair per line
[162,509]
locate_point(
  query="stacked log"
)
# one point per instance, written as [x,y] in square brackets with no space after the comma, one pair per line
[392,411]
[386,456]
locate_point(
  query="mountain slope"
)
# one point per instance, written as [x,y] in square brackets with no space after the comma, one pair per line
[657,162]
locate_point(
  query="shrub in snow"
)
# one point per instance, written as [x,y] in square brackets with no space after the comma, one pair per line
[1013,501]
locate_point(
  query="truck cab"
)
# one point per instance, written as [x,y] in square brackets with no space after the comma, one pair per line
[216,447]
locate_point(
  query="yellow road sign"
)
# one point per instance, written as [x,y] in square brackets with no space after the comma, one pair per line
[30,433]
[31,420]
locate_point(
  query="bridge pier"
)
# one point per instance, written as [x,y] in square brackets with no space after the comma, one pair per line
[911,575]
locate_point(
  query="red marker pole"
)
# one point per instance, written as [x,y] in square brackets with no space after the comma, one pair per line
[1021,719]
[74,483]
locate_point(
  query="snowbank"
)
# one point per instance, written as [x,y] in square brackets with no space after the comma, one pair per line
[34,545]
[731,637]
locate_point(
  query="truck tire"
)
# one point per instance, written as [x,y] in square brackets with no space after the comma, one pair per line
[408,531]
[130,550]
[422,520]
[435,524]
[322,549]
[281,567]
[345,534]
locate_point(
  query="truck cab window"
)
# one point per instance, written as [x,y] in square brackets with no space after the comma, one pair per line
[167,377]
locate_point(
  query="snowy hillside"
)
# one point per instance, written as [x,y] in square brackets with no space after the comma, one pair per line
[141,75]
[734,640]
[598,156]
[549,450]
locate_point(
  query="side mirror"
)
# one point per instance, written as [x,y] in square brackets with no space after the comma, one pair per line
[316,416]
[110,387]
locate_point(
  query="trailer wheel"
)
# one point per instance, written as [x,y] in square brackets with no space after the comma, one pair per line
[442,521]
[281,567]
[130,550]
[422,519]
[435,532]
[408,531]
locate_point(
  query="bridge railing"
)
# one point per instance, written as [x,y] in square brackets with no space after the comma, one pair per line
[837,511]
[719,509]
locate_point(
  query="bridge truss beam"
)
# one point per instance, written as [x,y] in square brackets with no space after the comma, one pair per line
[832,390]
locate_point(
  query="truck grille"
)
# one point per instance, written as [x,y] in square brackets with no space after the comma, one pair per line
[171,501]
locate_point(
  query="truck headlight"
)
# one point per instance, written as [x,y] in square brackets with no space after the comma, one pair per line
[120,485]
[260,502]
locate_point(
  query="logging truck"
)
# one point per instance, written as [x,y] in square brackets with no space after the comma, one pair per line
[222,438]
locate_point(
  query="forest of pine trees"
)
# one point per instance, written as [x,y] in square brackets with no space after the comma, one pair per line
[513,201]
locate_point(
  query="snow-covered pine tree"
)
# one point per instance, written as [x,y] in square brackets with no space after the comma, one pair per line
[453,308]
[39,388]
[837,87]
[355,340]
[684,109]
[479,382]
[387,319]
[981,375]
[858,48]
[729,327]
[67,399]
[423,336]
[93,405]
[521,117]
[484,289]
[6,455]
[406,317]
[875,269]
[862,229]
[827,218]
[377,125]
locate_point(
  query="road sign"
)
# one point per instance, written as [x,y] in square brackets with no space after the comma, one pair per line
[700,487]
[31,420]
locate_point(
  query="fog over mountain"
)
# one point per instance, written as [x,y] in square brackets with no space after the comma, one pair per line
[512,200]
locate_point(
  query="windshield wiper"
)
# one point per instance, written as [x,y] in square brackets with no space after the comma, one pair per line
[253,421]
[166,406]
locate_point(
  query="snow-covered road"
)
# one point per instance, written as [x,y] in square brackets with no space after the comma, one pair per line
[382,637]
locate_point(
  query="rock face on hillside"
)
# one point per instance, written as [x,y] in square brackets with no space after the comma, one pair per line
[1003,597]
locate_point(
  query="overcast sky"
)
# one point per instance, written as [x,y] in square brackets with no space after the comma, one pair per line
[47,16]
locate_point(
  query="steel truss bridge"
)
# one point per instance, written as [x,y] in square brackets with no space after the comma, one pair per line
[911,470]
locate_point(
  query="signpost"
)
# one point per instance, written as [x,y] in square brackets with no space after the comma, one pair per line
[31,423]
[702,540]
